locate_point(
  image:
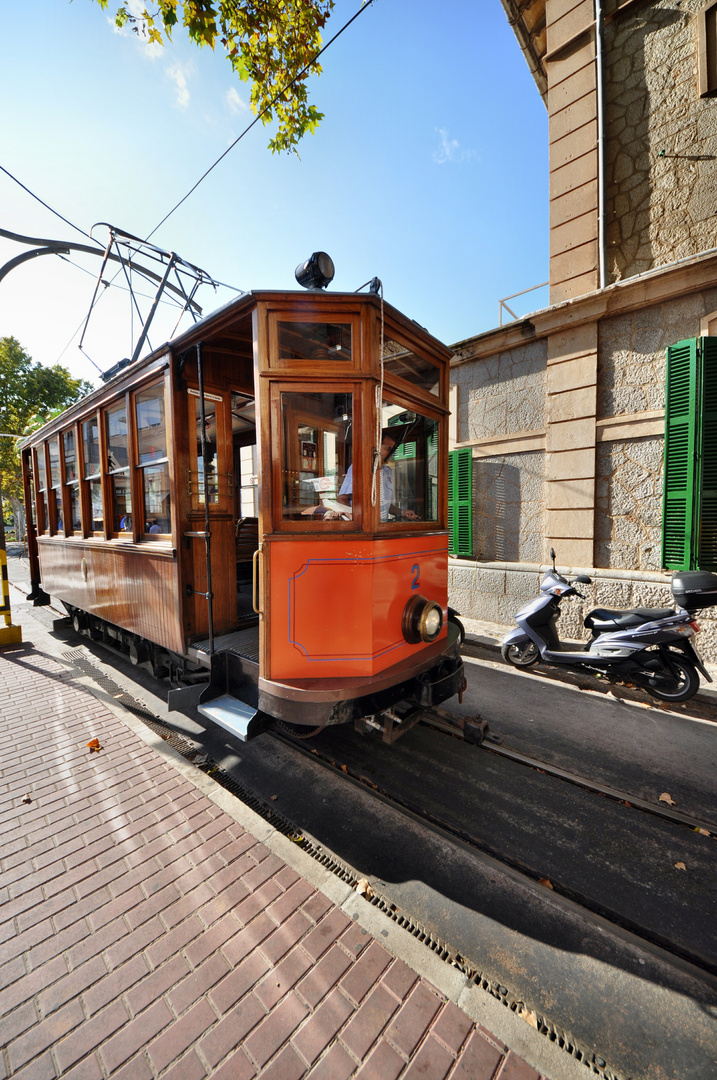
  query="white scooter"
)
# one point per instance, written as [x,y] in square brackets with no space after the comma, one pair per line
[649,647]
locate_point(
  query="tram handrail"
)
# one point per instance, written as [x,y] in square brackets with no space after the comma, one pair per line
[255,581]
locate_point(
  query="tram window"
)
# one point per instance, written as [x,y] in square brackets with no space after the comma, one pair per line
[315,341]
[118,466]
[248,481]
[317,452]
[400,361]
[41,473]
[54,494]
[72,481]
[153,464]
[207,463]
[91,459]
[413,463]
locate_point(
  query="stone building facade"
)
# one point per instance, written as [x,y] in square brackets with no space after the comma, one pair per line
[564,410]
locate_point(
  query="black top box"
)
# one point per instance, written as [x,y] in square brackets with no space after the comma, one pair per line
[694,589]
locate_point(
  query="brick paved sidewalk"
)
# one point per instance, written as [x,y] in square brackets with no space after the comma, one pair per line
[145,933]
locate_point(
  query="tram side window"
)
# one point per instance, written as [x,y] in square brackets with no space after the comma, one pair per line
[54,494]
[118,466]
[207,471]
[41,474]
[317,453]
[92,471]
[72,482]
[402,362]
[409,474]
[153,463]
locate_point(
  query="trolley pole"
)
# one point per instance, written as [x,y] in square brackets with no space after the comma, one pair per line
[9,634]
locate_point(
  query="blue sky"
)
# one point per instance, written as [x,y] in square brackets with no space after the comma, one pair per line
[429,170]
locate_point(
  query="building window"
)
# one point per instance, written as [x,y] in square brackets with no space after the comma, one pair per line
[707,42]
[689,521]
[153,464]
[460,505]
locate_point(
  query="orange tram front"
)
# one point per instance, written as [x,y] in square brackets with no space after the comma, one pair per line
[263,500]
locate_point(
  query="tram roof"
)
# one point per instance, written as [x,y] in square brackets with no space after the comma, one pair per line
[215,322]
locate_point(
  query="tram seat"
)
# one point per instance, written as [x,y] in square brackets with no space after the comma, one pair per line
[247,541]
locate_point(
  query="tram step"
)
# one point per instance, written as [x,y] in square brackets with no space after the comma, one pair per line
[230,713]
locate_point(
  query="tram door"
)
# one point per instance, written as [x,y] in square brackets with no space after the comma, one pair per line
[210,486]
[246,497]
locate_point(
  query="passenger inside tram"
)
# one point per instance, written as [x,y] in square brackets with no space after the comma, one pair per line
[389,441]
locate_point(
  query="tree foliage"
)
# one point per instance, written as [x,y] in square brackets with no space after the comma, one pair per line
[268,44]
[29,395]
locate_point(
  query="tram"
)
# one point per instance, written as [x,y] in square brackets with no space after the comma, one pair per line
[258,511]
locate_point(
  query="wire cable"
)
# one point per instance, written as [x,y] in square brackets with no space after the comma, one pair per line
[266,108]
[46,205]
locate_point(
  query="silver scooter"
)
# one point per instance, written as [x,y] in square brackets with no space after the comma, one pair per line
[649,647]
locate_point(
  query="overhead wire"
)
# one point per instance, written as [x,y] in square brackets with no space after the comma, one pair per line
[258,117]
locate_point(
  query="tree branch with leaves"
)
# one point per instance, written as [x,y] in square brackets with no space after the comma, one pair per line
[269,44]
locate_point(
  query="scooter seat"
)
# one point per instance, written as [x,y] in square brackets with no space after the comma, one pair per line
[602,618]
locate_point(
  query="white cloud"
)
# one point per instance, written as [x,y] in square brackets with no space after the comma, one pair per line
[450,150]
[235,102]
[178,73]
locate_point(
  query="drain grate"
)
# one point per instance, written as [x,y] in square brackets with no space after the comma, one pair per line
[596,1065]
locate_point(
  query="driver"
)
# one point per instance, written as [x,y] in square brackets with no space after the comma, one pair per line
[388,507]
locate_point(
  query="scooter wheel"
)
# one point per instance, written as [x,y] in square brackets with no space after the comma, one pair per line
[679,684]
[521,655]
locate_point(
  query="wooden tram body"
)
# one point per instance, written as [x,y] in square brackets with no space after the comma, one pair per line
[190,510]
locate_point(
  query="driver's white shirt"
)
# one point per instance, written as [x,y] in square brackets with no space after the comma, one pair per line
[386,488]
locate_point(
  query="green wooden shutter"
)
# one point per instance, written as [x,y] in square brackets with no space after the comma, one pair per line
[706,542]
[679,472]
[460,502]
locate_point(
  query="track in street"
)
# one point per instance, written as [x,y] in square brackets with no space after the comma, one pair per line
[642,867]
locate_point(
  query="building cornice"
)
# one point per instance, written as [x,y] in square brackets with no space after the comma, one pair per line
[682,278]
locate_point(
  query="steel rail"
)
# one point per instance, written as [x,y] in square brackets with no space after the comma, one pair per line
[529,874]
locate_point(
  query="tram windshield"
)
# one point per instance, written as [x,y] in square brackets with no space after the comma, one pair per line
[317,453]
[410,492]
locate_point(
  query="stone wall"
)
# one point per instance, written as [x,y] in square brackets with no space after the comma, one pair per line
[509,508]
[631,353]
[628,511]
[502,394]
[661,139]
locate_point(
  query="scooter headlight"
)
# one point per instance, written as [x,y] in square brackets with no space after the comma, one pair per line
[422,620]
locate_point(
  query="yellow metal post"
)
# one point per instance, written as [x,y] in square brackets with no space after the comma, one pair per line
[9,634]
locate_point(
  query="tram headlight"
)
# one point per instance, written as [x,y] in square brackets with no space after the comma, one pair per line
[317,272]
[422,620]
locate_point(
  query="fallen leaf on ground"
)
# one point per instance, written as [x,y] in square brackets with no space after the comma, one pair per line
[273,798]
[364,889]
[680,866]
[666,797]
[529,1016]
[546,882]
[703,832]
[94,746]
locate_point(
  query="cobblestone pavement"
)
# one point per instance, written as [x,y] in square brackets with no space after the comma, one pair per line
[145,932]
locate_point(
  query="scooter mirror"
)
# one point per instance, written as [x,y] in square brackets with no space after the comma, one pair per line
[552,556]
[584,579]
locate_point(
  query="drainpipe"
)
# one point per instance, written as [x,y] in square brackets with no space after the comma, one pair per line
[602,245]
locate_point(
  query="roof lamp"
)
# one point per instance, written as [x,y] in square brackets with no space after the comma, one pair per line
[317,272]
